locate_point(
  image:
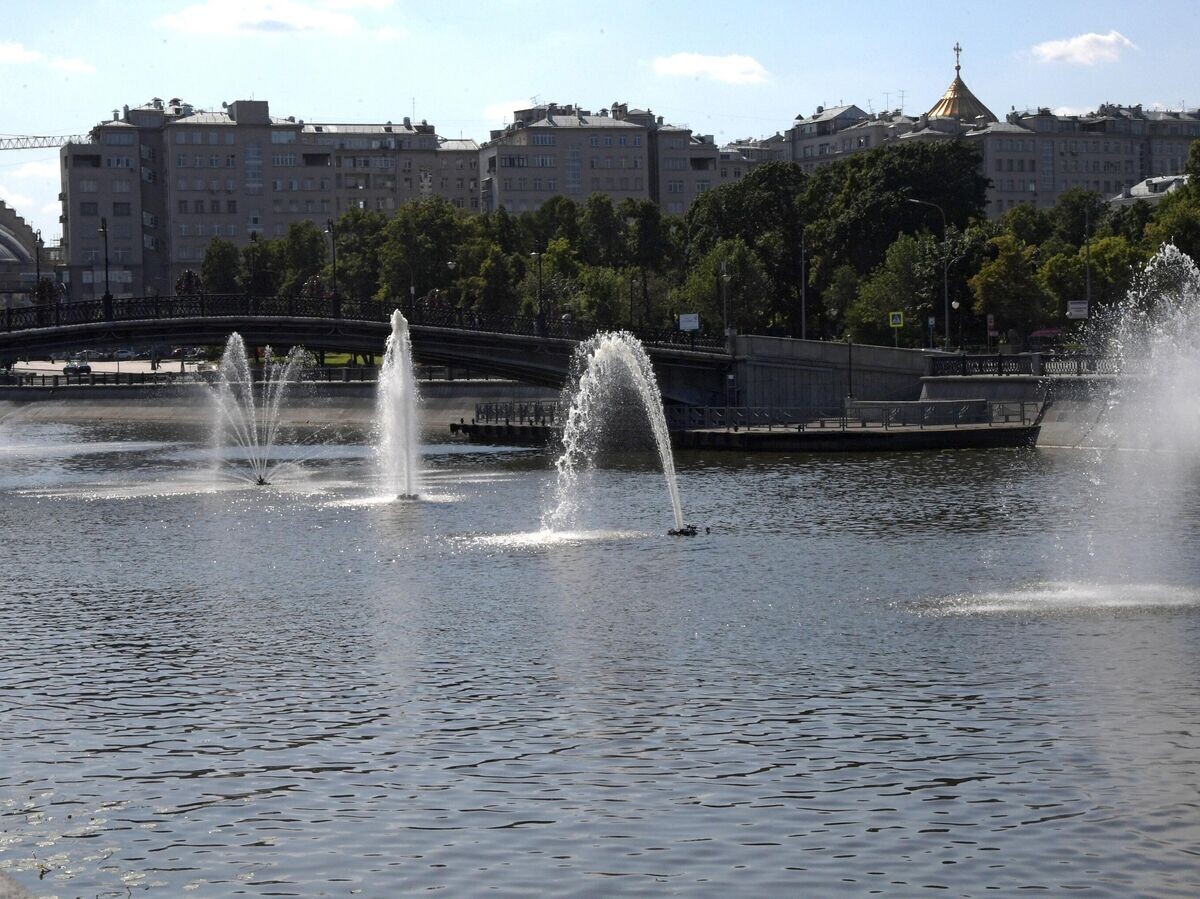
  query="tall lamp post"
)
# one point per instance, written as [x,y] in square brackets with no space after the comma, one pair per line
[725,276]
[803,286]
[331,230]
[107,298]
[945,262]
[541,312]
[633,283]
[37,255]
[1087,242]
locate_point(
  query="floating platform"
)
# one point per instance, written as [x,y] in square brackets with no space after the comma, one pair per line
[789,440]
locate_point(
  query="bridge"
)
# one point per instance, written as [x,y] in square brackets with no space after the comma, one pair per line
[535,350]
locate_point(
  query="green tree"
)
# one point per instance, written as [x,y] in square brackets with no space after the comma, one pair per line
[600,233]
[1177,221]
[220,266]
[419,243]
[840,295]
[301,254]
[898,284]
[259,270]
[600,296]
[1078,214]
[494,286]
[741,297]
[359,239]
[1006,286]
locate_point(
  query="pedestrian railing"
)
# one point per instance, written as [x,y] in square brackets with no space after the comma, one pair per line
[423,312]
[854,415]
[1036,364]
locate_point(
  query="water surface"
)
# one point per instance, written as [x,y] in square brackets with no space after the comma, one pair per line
[953,672]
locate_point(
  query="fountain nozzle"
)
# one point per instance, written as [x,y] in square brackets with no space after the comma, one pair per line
[688,530]
[407,496]
[262,481]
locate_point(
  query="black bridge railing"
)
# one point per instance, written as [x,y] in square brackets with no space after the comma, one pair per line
[879,415]
[1037,364]
[420,313]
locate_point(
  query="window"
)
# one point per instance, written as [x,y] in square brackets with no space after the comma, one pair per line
[621,141]
[87,186]
[543,140]
[119,162]
[181,160]
[608,140]
[183,206]
[674,187]
[231,205]
[89,208]
[595,140]
[283,137]
[214,205]
[118,138]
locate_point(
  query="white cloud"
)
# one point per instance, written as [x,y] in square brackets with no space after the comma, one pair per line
[13,53]
[391,33]
[18,54]
[35,169]
[71,64]
[357,4]
[502,111]
[1072,110]
[731,69]
[1084,49]
[22,203]
[260,17]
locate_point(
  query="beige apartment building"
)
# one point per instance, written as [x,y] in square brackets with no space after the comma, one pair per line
[1030,157]
[166,179]
[552,150]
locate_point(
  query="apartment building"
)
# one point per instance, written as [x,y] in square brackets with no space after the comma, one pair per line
[165,179]
[550,150]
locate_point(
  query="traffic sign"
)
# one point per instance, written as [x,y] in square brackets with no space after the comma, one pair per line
[1077,308]
[896,319]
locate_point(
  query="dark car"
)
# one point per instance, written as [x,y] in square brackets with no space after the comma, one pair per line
[77,367]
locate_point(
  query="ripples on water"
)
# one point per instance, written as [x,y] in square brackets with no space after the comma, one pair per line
[876,673]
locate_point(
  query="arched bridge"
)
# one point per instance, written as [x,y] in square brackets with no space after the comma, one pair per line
[530,349]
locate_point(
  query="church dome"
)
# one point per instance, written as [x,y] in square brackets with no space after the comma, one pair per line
[958,102]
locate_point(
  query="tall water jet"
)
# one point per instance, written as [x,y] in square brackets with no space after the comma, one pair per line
[248,409]
[604,369]
[1152,333]
[396,414]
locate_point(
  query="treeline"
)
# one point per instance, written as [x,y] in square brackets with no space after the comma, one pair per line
[849,233]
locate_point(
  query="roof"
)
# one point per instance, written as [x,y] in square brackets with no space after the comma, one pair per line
[828,114]
[324,128]
[458,144]
[958,102]
[582,121]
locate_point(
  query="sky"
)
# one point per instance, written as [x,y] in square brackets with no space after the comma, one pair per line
[732,70]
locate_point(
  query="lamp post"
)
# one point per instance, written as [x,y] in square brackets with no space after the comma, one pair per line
[956,307]
[107,298]
[331,230]
[541,312]
[633,282]
[725,276]
[945,262]
[803,286]
[1087,243]
[37,255]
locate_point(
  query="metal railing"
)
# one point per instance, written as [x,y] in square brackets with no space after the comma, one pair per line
[1037,364]
[165,378]
[421,313]
[860,415]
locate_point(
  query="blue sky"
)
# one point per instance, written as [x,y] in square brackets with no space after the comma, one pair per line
[729,69]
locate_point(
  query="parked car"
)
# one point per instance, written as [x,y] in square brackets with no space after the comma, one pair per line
[77,367]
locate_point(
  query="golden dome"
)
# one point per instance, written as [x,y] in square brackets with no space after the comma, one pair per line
[958,102]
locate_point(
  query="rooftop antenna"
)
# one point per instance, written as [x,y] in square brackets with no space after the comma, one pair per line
[870,108]
[902,92]
[887,100]
[414,108]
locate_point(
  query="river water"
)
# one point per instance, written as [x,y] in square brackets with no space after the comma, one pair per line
[962,672]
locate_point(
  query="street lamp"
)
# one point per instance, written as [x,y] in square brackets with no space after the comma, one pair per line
[803,286]
[955,306]
[37,255]
[541,313]
[1087,242]
[107,298]
[331,230]
[725,276]
[633,282]
[945,261]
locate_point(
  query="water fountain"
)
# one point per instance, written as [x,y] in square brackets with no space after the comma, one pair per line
[396,414]
[601,368]
[248,410]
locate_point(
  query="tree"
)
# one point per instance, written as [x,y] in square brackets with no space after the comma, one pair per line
[896,285]
[359,239]
[738,301]
[600,233]
[1006,286]
[840,295]
[1077,214]
[220,266]
[493,287]
[600,293]
[418,244]
[258,271]
[301,255]
[1177,221]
